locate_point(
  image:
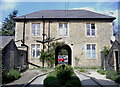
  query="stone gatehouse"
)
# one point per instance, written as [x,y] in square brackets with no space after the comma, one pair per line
[85,32]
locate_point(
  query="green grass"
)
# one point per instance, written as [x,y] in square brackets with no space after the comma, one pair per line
[44,70]
[102,72]
[82,70]
[52,74]
[86,67]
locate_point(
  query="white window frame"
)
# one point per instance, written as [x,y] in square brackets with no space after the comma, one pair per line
[35,50]
[91,51]
[63,34]
[91,29]
[40,29]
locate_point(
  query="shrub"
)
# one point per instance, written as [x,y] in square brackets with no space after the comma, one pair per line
[62,76]
[64,73]
[102,72]
[51,81]
[75,78]
[74,82]
[111,75]
[117,80]
[11,75]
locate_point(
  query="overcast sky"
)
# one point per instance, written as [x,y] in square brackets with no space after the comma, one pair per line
[109,7]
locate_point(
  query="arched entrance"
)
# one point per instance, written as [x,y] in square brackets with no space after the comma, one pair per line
[69,53]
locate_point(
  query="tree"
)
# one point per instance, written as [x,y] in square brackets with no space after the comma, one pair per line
[8,26]
[63,52]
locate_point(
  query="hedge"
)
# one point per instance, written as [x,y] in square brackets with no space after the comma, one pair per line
[62,77]
[11,75]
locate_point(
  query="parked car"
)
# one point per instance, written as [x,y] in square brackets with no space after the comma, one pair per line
[61,59]
[66,57]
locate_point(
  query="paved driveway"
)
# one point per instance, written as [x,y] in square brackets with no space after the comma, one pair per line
[37,82]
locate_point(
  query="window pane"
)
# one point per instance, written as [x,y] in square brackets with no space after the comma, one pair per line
[88,54]
[33,25]
[65,25]
[33,29]
[38,25]
[60,25]
[88,46]
[38,29]
[33,46]
[38,53]
[88,28]
[60,31]
[93,47]
[88,25]
[92,26]
[33,53]
[65,31]
[88,31]
[93,32]
[38,45]
[93,54]
[93,50]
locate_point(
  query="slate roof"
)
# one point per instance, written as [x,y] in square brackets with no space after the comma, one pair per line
[4,40]
[53,14]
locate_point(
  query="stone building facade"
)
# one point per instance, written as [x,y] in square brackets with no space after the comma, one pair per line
[85,32]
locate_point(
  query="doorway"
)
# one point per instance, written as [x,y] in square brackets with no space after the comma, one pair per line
[63,54]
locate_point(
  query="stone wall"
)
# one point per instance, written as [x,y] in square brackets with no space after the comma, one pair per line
[77,37]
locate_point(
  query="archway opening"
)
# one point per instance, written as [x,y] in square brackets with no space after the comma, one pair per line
[63,54]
